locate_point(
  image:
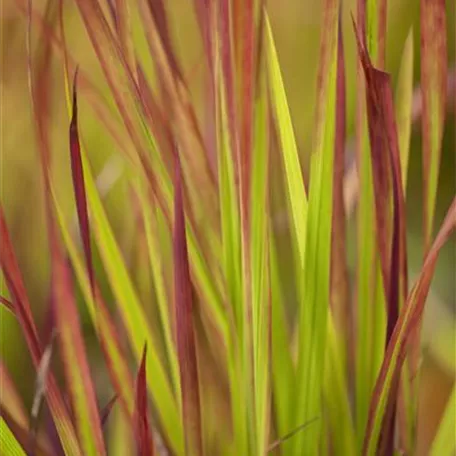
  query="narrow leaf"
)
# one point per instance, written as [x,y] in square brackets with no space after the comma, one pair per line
[404,96]
[297,197]
[409,318]
[142,425]
[106,411]
[314,304]
[8,304]
[444,443]
[434,62]
[75,362]
[78,184]
[14,281]
[340,304]
[183,306]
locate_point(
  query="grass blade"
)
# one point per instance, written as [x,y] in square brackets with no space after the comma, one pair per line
[105,413]
[283,374]
[183,305]
[106,332]
[409,318]
[434,61]
[390,204]
[260,275]
[370,298]
[130,307]
[78,185]
[8,441]
[404,94]
[8,304]
[340,304]
[314,308]
[143,429]
[444,443]
[18,293]
[297,197]
[75,362]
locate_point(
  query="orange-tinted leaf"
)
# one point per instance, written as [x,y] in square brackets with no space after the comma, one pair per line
[183,305]
[142,426]
[410,317]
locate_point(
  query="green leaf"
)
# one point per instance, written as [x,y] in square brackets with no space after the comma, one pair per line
[314,308]
[297,198]
[444,443]
[8,442]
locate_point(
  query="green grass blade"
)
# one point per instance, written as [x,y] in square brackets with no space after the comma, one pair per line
[336,395]
[104,326]
[297,198]
[152,217]
[8,442]
[232,263]
[283,374]
[133,313]
[314,308]
[261,300]
[444,443]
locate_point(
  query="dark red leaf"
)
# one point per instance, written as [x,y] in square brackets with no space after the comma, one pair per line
[8,304]
[106,410]
[142,426]
[183,305]
[409,319]
[388,194]
[78,185]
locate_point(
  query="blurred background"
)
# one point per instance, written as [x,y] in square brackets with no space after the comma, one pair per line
[296,25]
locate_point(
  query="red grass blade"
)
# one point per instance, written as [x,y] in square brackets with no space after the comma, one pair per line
[142,426]
[183,305]
[82,392]
[387,182]
[339,272]
[20,300]
[8,304]
[106,410]
[78,185]
[407,323]
[388,190]
[434,62]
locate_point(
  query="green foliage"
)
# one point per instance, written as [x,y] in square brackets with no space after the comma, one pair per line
[225,361]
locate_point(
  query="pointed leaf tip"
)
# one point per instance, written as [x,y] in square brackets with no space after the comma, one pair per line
[78,183]
[142,427]
[183,305]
